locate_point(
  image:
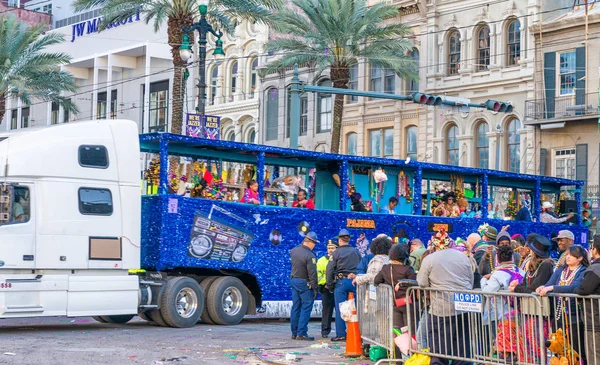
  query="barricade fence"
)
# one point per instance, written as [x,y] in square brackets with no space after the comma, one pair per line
[474,327]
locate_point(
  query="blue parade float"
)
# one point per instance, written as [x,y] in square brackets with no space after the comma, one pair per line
[209,235]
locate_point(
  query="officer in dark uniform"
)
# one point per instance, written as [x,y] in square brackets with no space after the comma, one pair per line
[343,262]
[304,286]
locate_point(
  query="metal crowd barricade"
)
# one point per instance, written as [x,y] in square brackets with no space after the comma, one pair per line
[375,305]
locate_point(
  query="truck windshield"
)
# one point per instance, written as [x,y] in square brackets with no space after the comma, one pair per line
[14,204]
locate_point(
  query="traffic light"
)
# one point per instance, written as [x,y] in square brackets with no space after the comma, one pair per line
[426,99]
[498,106]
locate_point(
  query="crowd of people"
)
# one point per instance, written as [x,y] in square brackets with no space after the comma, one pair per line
[488,260]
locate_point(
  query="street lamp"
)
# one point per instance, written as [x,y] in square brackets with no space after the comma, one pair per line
[185,51]
[498,131]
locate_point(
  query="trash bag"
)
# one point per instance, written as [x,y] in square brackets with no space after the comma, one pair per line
[418,359]
[377,353]
[346,309]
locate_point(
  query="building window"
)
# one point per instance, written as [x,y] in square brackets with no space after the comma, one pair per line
[453,52]
[413,85]
[102,106]
[483,146]
[411,142]
[272,97]
[54,113]
[483,48]
[564,163]
[514,42]
[351,144]
[14,119]
[213,85]
[567,73]
[159,106]
[452,145]
[382,138]
[253,77]
[25,117]
[353,83]
[95,201]
[389,86]
[231,136]
[376,73]
[66,115]
[234,73]
[514,146]
[252,136]
[303,114]
[324,109]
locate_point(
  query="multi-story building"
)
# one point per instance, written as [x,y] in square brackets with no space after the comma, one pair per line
[21,9]
[564,109]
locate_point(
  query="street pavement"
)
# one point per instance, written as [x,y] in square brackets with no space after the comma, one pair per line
[82,341]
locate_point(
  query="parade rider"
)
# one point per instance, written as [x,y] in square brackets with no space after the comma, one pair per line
[326,296]
[547,215]
[303,281]
[343,262]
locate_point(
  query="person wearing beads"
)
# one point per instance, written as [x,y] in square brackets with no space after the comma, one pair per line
[590,285]
[487,238]
[251,193]
[490,258]
[564,240]
[566,279]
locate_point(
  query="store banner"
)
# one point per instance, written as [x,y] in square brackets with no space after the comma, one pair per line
[207,126]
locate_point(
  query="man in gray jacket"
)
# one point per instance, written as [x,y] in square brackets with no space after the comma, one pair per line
[446,269]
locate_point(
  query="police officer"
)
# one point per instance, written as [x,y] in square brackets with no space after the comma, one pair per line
[304,286]
[326,296]
[343,262]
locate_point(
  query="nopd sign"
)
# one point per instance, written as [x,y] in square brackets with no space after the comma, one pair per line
[91,26]
[468,302]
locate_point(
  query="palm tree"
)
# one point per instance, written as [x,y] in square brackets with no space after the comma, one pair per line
[333,34]
[177,14]
[26,71]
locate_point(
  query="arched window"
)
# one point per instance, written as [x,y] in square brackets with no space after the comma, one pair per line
[351,144]
[514,146]
[483,146]
[213,84]
[483,48]
[272,98]
[453,52]
[253,77]
[251,136]
[234,73]
[413,85]
[452,145]
[411,142]
[231,136]
[514,42]
[324,109]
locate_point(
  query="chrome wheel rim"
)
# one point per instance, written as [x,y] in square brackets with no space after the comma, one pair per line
[186,302]
[232,301]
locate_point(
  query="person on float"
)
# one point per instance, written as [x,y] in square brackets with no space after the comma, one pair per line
[304,284]
[590,285]
[448,207]
[548,216]
[565,280]
[302,201]
[357,203]
[251,193]
[327,298]
[342,263]
[524,214]
[564,240]
[391,206]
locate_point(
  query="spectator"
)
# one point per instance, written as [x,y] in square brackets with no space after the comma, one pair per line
[547,215]
[327,299]
[357,203]
[490,259]
[488,237]
[391,205]
[380,247]
[564,240]
[446,270]
[417,249]
[302,202]
[391,273]
[462,246]
[538,270]
[590,285]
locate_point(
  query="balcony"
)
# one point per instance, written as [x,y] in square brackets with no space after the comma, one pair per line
[565,107]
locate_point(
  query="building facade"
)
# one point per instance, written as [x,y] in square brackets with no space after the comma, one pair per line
[21,10]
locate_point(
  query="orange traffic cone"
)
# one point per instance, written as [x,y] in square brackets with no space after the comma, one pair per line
[353,340]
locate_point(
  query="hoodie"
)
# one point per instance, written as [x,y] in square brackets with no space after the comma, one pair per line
[487,265]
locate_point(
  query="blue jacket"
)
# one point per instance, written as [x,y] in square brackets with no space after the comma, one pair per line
[570,305]
[524,214]
[364,264]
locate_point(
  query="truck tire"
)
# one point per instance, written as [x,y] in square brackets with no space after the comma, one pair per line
[182,302]
[157,318]
[205,286]
[145,316]
[119,319]
[227,300]
[99,319]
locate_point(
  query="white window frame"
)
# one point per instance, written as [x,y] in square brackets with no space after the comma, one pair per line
[564,154]
[382,132]
[559,74]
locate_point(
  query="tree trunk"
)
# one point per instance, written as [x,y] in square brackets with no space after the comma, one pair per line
[340,76]
[175,33]
[2,108]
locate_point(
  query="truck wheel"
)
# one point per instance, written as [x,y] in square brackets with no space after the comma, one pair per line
[119,319]
[182,302]
[156,317]
[144,316]
[99,319]
[227,300]
[205,286]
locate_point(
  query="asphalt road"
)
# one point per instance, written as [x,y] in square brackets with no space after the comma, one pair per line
[81,341]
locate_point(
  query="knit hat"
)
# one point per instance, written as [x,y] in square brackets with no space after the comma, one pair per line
[502,236]
[441,240]
[540,245]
